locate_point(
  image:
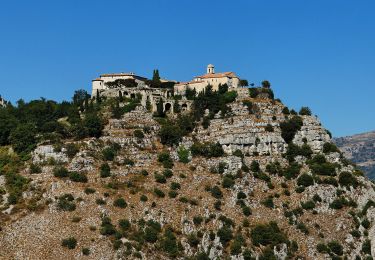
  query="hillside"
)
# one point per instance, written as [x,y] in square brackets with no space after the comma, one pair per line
[360,149]
[239,177]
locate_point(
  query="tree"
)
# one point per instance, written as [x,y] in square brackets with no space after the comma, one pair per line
[305,111]
[23,138]
[244,83]
[79,97]
[266,84]
[93,124]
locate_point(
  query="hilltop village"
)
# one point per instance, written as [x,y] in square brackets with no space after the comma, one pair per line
[152,92]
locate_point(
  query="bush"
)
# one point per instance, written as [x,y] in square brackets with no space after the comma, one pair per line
[269,128]
[290,127]
[330,148]
[160,178]
[246,211]
[175,186]
[228,181]
[268,202]
[35,168]
[305,180]
[225,234]
[151,235]
[267,234]
[167,173]
[193,240]
[216,192]
[159,193]
[107,228]
[172,194]
[169,243]
[89,190]
[124,224]
[143,198]
[165,159]
[249,105]
[170,134]
[85,251]
[308,205]
[77,177]
[197,220]
[66,202]
[183,154]
[70,242]
[71,150]
[322,248]
[305,111]
[120,203]
[138,134]
[105,170]
[207,149]
[109,153]
[335,247]
[238,153]
[366,247]
[285,111]
[60,172]
[347,179]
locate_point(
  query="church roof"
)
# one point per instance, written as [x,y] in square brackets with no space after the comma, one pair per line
[228,74]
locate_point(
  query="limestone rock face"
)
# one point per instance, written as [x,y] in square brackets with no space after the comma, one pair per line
[43,153]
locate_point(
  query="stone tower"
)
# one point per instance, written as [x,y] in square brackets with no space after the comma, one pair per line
[210,69]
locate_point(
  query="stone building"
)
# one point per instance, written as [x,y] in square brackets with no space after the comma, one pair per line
[106,85]
[199,83]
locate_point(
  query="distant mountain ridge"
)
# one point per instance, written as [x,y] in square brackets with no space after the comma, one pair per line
[360,148]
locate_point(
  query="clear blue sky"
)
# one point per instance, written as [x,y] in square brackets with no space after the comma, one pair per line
[318,53]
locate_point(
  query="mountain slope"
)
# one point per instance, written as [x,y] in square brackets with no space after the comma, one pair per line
[360,149]
[232,188]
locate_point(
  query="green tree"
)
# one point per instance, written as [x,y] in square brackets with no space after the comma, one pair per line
[23,138]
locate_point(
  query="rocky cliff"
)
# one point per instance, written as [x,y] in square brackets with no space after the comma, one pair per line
[256,183]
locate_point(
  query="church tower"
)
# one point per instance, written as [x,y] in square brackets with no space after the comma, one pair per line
[210,69]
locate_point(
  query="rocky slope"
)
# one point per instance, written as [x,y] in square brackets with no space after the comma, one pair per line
[261,199]
[360,149]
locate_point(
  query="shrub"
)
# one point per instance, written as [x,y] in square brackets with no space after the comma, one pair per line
[269,128]
[292,171]
[285,111]
[246,211]
[100,201]
[183,154]
[66,202]
[89,190]
[207,149]
[216,192]
[366,223]
[138,134]
[159,193]
[366,247]
[124,224]
[267,234]
[85,251]
[71,150]
[175,186]
[77,177]
[238,153]
[169,243]
[165,159]
[347,179]
[167,173]
[308,205]
[193,240]
[320,166]
[70,242]
[35,168]
[197,220]
[330,148]
[274,168]
[60,172]
[228,181]
[151,235]
[170,134]
[305,180]
[107,227]
[305,111]
[248,104]
[225,234]
[109,153]
[302,227]
[290,127]
[241,195]
[335,247]
[105,170]
[160,178]
[143,198]
[322,248]
[120,203]
[172,194]
[268,202]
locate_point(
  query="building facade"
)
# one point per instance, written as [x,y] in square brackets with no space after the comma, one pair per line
[199,83]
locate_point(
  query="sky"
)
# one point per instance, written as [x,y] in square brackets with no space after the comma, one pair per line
[319,54]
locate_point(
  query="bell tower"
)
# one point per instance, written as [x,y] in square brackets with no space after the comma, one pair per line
[210,69]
